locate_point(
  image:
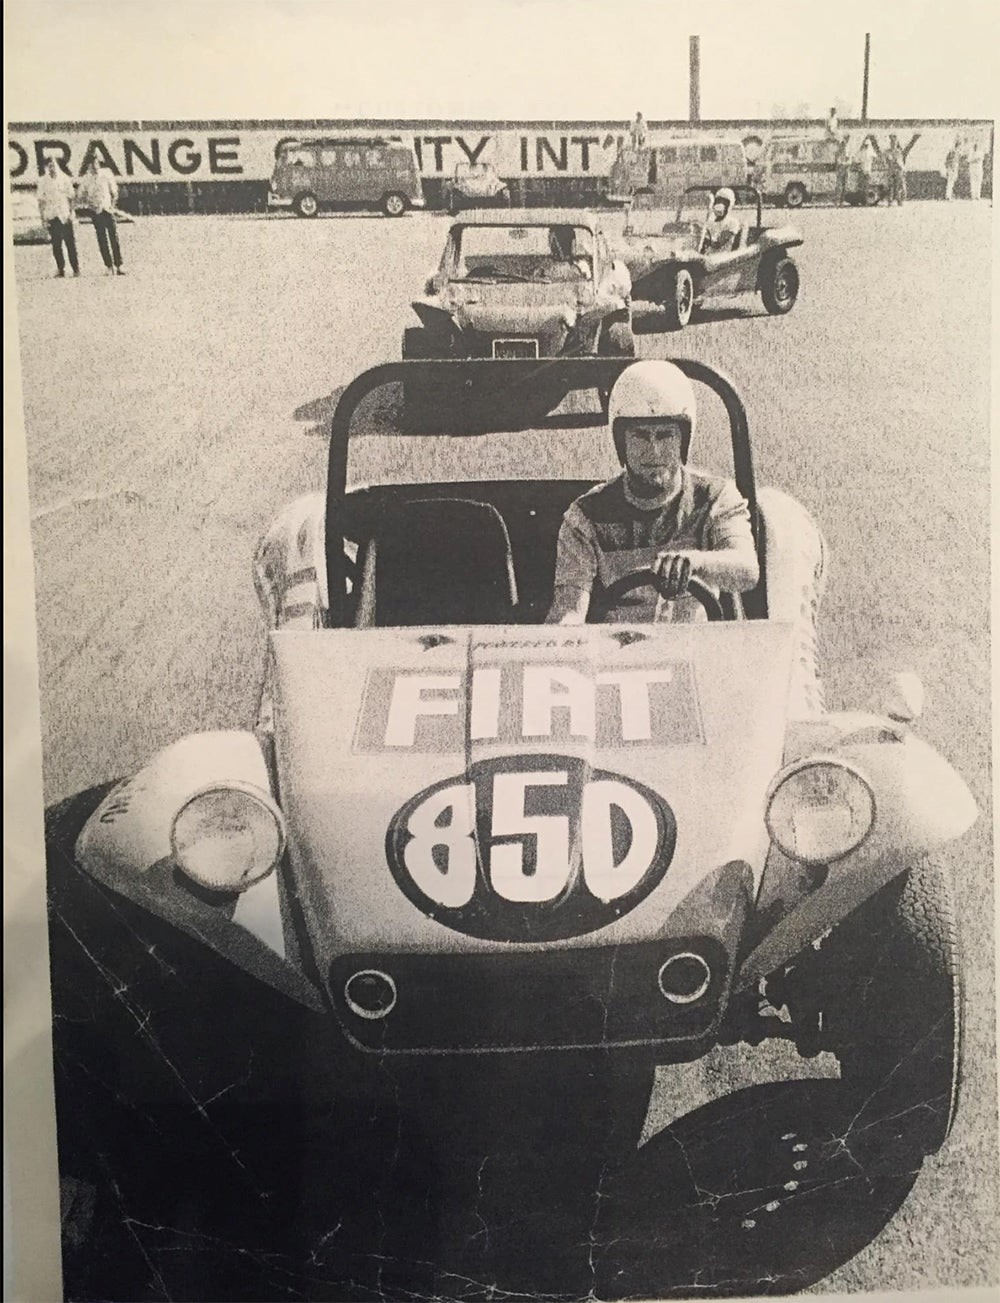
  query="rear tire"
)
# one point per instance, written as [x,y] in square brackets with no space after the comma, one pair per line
[679,303]
[873,195]
[795,194]
[306,204]
[394,204]
[779,287]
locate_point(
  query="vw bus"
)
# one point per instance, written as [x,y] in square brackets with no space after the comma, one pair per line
[672,166]
[349,172]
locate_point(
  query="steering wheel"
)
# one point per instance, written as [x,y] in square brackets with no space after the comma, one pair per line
[608,597]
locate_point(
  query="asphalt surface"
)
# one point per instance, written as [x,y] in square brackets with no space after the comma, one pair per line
[173,411]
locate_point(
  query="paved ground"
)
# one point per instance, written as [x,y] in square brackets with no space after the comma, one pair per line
[171,412]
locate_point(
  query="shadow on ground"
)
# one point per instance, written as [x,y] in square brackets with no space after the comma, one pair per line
[650,320]
[318,413]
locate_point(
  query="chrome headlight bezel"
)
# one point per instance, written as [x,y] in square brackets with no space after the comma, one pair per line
[860,786]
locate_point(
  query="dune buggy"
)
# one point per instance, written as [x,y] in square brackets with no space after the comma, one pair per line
[475,185]
[458,833]
[669,264]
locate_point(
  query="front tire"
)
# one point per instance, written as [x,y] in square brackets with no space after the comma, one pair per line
[394,204]
[679,302]
[795,194]
[306,204]
[779,286]
[891,996]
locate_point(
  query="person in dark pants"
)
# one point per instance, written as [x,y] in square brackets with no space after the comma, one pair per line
[99,193]
[843,169]
[55,196]
[896,160]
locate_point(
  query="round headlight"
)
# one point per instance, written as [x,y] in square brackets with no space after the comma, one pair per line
[819,811]
[227,838]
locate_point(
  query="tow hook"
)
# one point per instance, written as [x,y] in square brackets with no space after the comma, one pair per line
[798,990]
[784,1006]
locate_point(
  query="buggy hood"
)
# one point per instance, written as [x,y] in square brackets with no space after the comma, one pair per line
[413,762]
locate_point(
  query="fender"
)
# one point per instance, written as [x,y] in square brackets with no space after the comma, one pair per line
[606,305]
[125,844]
[921,804]
[289,566]
[795,566]
[780,237]
[432,315]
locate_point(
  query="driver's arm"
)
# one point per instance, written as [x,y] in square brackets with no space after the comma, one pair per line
[576,570]
[729,563]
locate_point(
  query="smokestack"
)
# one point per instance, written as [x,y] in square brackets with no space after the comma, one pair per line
[864,84]
[695,66]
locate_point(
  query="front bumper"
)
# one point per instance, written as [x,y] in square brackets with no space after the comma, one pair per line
[552,999]
[278,201]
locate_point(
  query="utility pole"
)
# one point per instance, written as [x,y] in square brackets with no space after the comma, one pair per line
[695,79]
[864,84]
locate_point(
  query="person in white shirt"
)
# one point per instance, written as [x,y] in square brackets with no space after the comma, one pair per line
[866,158]
[723,225]
[975,170]
[55,196]
[951,169]
[659,518]
[639,133]
[99,193]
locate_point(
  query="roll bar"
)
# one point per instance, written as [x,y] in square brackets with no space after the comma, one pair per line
[575,373]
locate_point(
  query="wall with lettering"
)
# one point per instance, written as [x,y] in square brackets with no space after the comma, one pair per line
[156,153]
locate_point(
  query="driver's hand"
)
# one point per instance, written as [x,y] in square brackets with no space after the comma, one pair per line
[674,571]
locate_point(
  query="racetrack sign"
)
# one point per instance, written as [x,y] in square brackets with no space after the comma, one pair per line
[531,848]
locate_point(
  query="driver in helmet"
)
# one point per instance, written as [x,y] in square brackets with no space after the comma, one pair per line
[723,225]
[568,256]
[658,514]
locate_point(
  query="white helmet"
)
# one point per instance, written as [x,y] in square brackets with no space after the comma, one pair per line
[725,196]
[652,388]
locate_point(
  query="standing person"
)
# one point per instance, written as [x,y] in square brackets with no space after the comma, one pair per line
[639,133]
[831,123]
[897,174]
[55,207]
[99,193]
[866,162]
[975,170]
[951,169]
[843,169]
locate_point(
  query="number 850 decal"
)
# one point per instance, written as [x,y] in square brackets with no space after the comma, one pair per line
[530,848]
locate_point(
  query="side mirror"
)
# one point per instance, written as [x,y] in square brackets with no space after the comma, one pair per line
[904,698]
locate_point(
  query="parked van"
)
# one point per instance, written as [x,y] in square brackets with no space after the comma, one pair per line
[794,170]
[345,173]
[670,167]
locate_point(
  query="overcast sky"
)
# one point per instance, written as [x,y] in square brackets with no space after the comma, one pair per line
[77,59]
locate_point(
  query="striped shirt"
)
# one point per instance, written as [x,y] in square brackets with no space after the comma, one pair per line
[605,535]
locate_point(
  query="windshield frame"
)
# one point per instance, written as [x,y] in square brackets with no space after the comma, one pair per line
[452,258]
